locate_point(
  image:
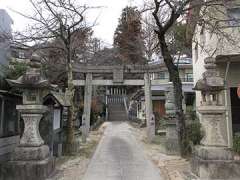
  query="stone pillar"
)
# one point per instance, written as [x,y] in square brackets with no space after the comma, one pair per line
[31,145]
[213,159]
[106,102]
[87,107]
[149,108]
[184,103]
[31,159]
[172,143]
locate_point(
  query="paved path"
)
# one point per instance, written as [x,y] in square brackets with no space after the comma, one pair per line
[120,157]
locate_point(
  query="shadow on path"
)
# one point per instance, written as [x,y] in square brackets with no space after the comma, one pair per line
[120,157]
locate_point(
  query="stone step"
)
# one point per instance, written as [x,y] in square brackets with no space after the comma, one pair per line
[117,111]
[115,105]
[117,115]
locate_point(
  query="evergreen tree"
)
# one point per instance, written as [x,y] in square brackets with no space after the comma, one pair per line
[128,38]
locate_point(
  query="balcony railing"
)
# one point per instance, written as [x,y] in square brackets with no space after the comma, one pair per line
[182,79]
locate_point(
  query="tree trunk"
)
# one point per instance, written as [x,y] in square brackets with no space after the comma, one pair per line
[70,144]
[178,93]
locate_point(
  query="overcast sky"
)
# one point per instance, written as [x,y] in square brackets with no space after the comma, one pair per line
[107,17]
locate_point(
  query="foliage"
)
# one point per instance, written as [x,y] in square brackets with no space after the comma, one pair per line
[177,40]
[128,38]
[98,109]
[53,54]
[236,143]
[14,70]
[159,121]
[194,132]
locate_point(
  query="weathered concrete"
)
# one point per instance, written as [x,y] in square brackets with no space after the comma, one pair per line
[171,144]
[87,106]
[213,159]
[119,157]
[7,146]
[31,114]
[149,108]
[27,170]
[216,168]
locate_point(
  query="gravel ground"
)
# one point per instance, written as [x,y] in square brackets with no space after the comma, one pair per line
[172,167]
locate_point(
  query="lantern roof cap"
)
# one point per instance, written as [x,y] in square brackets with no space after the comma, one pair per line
[33,77]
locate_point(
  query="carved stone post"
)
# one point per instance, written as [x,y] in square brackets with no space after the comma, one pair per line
[171,144]
[31,159]
[213,159]
[87,107]
[149,109]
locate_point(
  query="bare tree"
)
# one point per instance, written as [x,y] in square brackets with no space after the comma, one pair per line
[149,36]
[58,20]
[166,14]
[53,60]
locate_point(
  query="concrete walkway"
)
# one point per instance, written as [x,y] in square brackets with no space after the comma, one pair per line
[120,157]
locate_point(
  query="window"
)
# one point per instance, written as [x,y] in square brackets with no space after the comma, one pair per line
[160,75]
[189,77]
[57,119]
[234,16]
[21,55]
[14,53]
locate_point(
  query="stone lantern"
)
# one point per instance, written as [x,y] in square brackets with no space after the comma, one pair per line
[213,159]
[31,159]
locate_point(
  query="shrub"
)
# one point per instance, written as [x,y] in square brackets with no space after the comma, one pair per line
[236,143]
[194,135]
[194,132]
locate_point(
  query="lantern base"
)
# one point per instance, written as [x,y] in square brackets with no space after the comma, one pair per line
[27,170]
[172,144]
[215,163]
[30,153]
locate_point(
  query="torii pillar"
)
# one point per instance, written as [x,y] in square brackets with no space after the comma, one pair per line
[149,108]
[87,107]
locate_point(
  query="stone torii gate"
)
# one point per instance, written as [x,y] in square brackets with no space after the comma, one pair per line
[118,80]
